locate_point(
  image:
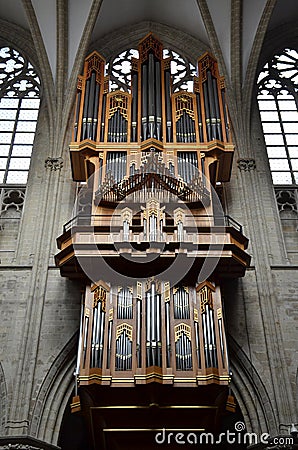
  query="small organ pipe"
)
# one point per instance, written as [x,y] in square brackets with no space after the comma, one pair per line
[101,338]
[97,341]
[221,342]
[121,130]
[207,361]
[168,105]
[77,115]
[144,100]
[198,344]
[151,97]
[80,338]
[124,351]
[117,354]
[178,131]
[139,330]
[85,340]
[207,112]
[212,105]
[95,112]
[94,333]
[134,110]
[158,100]
[148,317]
[85,109]
[153,324]
[117,114]
[183,350]
[225,114]
[217,112]
[168,345]
[102,132]
[200,118]
[109,343]
[213,339]
[90,107]
[109,129]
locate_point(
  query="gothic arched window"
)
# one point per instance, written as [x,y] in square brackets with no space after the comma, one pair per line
[278,105]
[19,106]
[119,70]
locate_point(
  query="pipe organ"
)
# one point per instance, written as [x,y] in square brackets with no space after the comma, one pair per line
[148,224]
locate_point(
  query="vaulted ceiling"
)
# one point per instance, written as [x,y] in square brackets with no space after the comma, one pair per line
[63,31]
[232,25]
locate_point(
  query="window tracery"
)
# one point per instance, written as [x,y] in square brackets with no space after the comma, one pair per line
[19,107]
[119,70]
[278,105]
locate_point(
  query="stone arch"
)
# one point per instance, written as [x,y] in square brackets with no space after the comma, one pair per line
[54,394]
[250,392]
[20,39]
[3,402]
[122,38]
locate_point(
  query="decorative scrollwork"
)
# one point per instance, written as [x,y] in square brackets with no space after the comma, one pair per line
[206,298]
[100,295]
[154,173]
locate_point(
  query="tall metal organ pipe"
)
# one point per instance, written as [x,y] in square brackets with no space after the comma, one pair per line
[168,105]
[134,108]
[151,99]
[103,114]
[90,109]
[153,328]
[79,95]
[144,101]
[157,86]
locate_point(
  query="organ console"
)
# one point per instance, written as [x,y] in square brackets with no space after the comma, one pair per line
[151,244]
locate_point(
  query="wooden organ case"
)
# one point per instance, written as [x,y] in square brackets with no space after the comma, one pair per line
[152,245]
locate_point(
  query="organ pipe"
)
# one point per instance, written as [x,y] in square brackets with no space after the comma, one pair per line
[158,100]
[134,111]
[227,128]
[139,332]
[197,334]
[168,105]
[153,328]
[77,371]
[79,94]
[144,101]
[168,338]
[200,121]
[85,342]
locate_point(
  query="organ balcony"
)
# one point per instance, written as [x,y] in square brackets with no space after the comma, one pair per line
[99,240]
[153,216]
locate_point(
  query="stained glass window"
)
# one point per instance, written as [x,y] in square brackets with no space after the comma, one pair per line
[278,105]
[119,70]
[19,106]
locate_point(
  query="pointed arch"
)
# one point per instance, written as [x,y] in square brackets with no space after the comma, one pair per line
[128,36]
[250,392]
[3,402]
[54,394]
